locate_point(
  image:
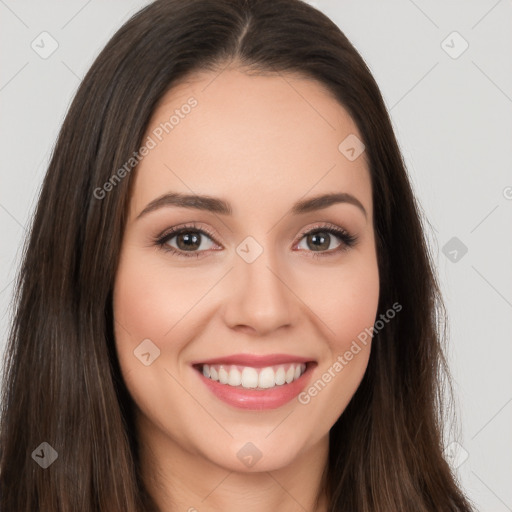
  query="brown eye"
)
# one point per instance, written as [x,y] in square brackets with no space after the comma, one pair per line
[189,240]
[186,241]
[319,241]
[323,240]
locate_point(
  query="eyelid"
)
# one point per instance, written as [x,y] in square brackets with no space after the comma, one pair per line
[319,226]
[192,226]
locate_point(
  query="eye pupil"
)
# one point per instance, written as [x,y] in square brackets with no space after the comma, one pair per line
[188,241]
[322,238]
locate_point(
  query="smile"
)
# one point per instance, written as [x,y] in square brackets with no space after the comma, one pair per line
[254,378]
[247,381]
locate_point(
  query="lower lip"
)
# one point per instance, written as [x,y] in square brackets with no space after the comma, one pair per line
[252,399]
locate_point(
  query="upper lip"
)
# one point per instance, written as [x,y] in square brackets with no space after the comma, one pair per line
[256,361]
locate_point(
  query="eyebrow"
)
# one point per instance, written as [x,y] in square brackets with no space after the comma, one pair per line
[222,207]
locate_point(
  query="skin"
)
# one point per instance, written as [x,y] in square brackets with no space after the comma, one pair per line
[261,143]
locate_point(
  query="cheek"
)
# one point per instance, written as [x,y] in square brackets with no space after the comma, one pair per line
[356,307]
[154,301]
[145,308]
[346,301]
[150,299]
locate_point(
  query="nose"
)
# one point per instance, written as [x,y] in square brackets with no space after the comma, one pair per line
[260,299]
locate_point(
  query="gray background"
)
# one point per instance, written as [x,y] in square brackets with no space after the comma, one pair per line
[452,116]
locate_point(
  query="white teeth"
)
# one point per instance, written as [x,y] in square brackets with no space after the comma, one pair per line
[235,377]
[223,376]
[267,378]
[254,378]
[249,378]
[280,376]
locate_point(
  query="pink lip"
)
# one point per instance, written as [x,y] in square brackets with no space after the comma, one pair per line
[254,360]
[251,399]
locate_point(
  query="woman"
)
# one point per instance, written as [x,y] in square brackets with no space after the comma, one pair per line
[226,301]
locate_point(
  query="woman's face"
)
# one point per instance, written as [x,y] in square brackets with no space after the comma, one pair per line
[255,283]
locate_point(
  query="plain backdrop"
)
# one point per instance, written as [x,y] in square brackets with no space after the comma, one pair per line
[445,71]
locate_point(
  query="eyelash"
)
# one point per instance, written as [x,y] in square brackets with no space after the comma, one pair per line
[347,240]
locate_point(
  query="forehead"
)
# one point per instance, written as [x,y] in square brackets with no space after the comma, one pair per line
[278,135]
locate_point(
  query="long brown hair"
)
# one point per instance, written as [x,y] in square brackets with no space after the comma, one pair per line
[62,383]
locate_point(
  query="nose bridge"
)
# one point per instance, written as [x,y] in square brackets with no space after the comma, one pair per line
[260,297]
